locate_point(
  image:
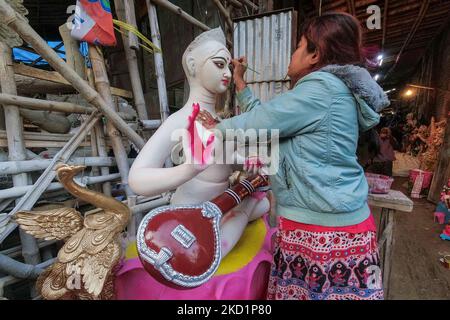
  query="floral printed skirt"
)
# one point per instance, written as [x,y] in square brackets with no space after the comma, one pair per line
[324,263]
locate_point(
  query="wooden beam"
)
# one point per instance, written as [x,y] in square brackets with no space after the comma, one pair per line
[54,76]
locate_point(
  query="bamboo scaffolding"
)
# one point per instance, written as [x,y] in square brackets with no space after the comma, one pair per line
[16,192]
[102,85]
[29,199]
[8,280]
[250,4]
[102,152]
[225,13]
[177,10]
[236,4]
[24,72]
[40,104]
[151,124]
[16,167]
[16,145]
[159,64]
[130,18]
[94,152]
[125,12]
[73,55]
[21,26]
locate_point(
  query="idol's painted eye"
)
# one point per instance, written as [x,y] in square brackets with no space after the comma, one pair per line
[219,63]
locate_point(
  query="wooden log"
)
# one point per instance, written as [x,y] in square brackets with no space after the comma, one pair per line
[26,32]
[40,104]
[15,167]
[55,77]
[49,121]
[225,13]
[16,145]
[132,61]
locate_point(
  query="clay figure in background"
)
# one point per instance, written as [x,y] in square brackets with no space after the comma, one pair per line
[408,129]
[418,141]
[429,159]
[206,63]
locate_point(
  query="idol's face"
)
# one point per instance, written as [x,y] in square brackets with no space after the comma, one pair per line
[215,74]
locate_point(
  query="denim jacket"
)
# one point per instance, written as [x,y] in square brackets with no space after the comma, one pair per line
[319,180]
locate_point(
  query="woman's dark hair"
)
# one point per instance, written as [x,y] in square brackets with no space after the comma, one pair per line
[336,36]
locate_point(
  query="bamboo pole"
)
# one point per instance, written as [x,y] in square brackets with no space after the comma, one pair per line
[159,64]
[11,19]
[132,61]
[73,55]
[177,10]
[130,18]
[102,85]
[98,142]
[150,124]
[94,152]
[250,4]
[40,104]
[16,167]
[236,3]
[225,13]
[16,192]
[101,148]
[16,145]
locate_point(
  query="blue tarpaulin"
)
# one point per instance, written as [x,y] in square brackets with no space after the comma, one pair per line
[27,57]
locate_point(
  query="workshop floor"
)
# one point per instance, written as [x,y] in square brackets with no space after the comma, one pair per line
[416,271]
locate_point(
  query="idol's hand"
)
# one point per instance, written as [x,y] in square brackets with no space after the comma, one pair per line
[207,120]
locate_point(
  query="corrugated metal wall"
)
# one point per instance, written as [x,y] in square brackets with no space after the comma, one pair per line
[267,43]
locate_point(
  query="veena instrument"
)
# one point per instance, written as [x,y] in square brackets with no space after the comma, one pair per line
[180,245]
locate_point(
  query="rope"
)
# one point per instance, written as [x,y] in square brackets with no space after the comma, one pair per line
[128,27]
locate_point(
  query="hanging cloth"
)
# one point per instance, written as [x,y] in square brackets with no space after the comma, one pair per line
[93,22]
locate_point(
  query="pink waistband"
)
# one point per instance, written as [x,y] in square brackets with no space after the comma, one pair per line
[365,226]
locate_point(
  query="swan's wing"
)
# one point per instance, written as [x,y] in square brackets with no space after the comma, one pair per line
[96,268]
[53,224]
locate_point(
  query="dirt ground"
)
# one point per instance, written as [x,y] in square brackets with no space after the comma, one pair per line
[416,271]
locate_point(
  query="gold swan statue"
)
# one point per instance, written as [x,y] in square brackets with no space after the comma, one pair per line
[84,268]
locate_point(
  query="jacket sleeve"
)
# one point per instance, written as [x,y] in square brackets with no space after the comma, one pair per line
[297,111]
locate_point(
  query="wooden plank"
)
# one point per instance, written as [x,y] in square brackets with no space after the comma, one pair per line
[395,200]
[54,76]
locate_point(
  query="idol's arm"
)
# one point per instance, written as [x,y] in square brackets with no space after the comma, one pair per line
[147,175]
